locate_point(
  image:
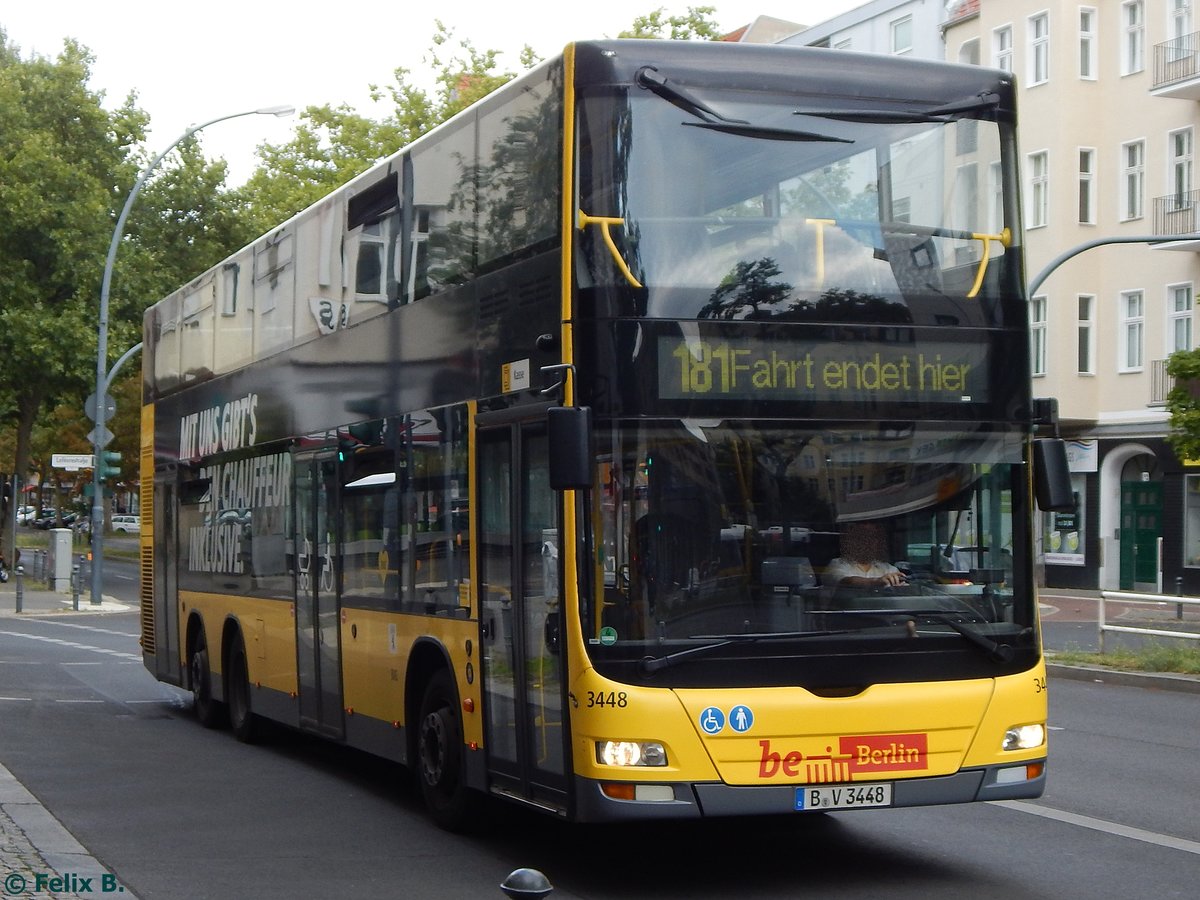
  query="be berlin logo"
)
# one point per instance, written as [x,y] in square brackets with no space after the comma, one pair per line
[15,883]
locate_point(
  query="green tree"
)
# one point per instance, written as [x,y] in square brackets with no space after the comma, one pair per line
[1183,403]
[695,25]
[63,161]
[183,223]
[332,144]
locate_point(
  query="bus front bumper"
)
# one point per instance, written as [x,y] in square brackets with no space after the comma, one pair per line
[705,799]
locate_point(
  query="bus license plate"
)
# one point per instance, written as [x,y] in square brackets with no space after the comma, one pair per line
[843,796]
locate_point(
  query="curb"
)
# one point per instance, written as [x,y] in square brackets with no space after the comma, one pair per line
[1163,681]
[33,844]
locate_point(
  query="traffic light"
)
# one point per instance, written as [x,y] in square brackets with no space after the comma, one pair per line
[110,464]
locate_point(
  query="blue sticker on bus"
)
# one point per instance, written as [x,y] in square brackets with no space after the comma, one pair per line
[712,720]
[741,718]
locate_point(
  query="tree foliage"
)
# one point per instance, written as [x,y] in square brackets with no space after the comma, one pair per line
[63,159]
[695,25]
[332,144]
[1183,403]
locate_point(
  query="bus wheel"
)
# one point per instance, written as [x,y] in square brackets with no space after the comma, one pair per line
[242,720]
[440,754]
[209,712]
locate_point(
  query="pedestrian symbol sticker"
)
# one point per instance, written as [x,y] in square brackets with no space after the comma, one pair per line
[712,721]
[741,718]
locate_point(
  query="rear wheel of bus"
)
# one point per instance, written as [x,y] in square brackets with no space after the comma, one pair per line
[242,720]
[209,712]
[440,765]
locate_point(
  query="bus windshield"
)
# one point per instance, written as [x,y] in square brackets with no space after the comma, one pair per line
[714,531]
[761,206]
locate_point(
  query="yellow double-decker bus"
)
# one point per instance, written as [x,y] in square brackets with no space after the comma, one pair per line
[533,457]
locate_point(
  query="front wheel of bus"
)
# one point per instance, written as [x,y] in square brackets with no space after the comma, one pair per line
[440,754]
[209,711]
[242,720]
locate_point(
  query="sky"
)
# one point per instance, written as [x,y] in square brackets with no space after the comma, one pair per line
[193,62]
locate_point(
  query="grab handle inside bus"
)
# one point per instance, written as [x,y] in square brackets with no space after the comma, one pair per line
[569,431]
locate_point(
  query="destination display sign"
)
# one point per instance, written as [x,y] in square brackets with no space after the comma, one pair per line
[764,368]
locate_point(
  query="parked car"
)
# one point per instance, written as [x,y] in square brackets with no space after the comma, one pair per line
[46,519]
[127,524]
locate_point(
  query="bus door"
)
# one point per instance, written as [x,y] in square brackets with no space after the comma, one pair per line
[318,663]
[518,559]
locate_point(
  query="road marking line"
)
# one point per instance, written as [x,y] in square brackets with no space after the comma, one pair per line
[17,699]
[71,644]
[94,628]
[1137,834]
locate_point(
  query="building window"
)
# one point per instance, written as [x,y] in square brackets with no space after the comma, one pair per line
[902,35]
[1179,318]
[1180,143]
[1087,42]
[1039,48]
[1191,520]
[1179,27]
[1181,20]
[1002,48]
[1039,189]
[1133,46]
[1133,176]
[1037,334]
[1132,327]
[1087,307]
[1087,188]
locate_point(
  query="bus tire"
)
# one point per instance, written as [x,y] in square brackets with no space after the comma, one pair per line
[242,720]
[440,763]
[209,712]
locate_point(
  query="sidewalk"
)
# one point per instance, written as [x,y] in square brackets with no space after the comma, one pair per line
[37,600]
[38,856]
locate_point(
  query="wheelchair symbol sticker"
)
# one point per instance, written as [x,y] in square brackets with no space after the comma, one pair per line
[712,720]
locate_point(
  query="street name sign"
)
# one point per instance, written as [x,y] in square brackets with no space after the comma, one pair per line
[72,461]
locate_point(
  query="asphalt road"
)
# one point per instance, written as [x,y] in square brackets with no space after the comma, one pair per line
[172,810]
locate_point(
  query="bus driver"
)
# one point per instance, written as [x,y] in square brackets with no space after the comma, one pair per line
[863,561]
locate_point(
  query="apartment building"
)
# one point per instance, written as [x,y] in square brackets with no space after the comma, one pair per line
[1110,104]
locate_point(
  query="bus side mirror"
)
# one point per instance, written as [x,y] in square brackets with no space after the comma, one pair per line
[569,430]
[1052,475]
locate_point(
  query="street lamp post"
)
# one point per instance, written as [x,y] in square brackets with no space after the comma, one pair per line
[102,375]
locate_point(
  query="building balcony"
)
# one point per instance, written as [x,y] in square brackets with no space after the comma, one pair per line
[1160,383]
[1177,214]
[1177,68]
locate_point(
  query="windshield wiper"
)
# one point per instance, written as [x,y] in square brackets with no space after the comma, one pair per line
[945,113]
[651,664]
[648,78]
[766,132]
[996,651]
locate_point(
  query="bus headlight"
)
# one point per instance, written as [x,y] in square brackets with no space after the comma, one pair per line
[1024,737]
[631,753]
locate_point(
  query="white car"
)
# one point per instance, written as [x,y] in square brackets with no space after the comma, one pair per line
[127,524]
